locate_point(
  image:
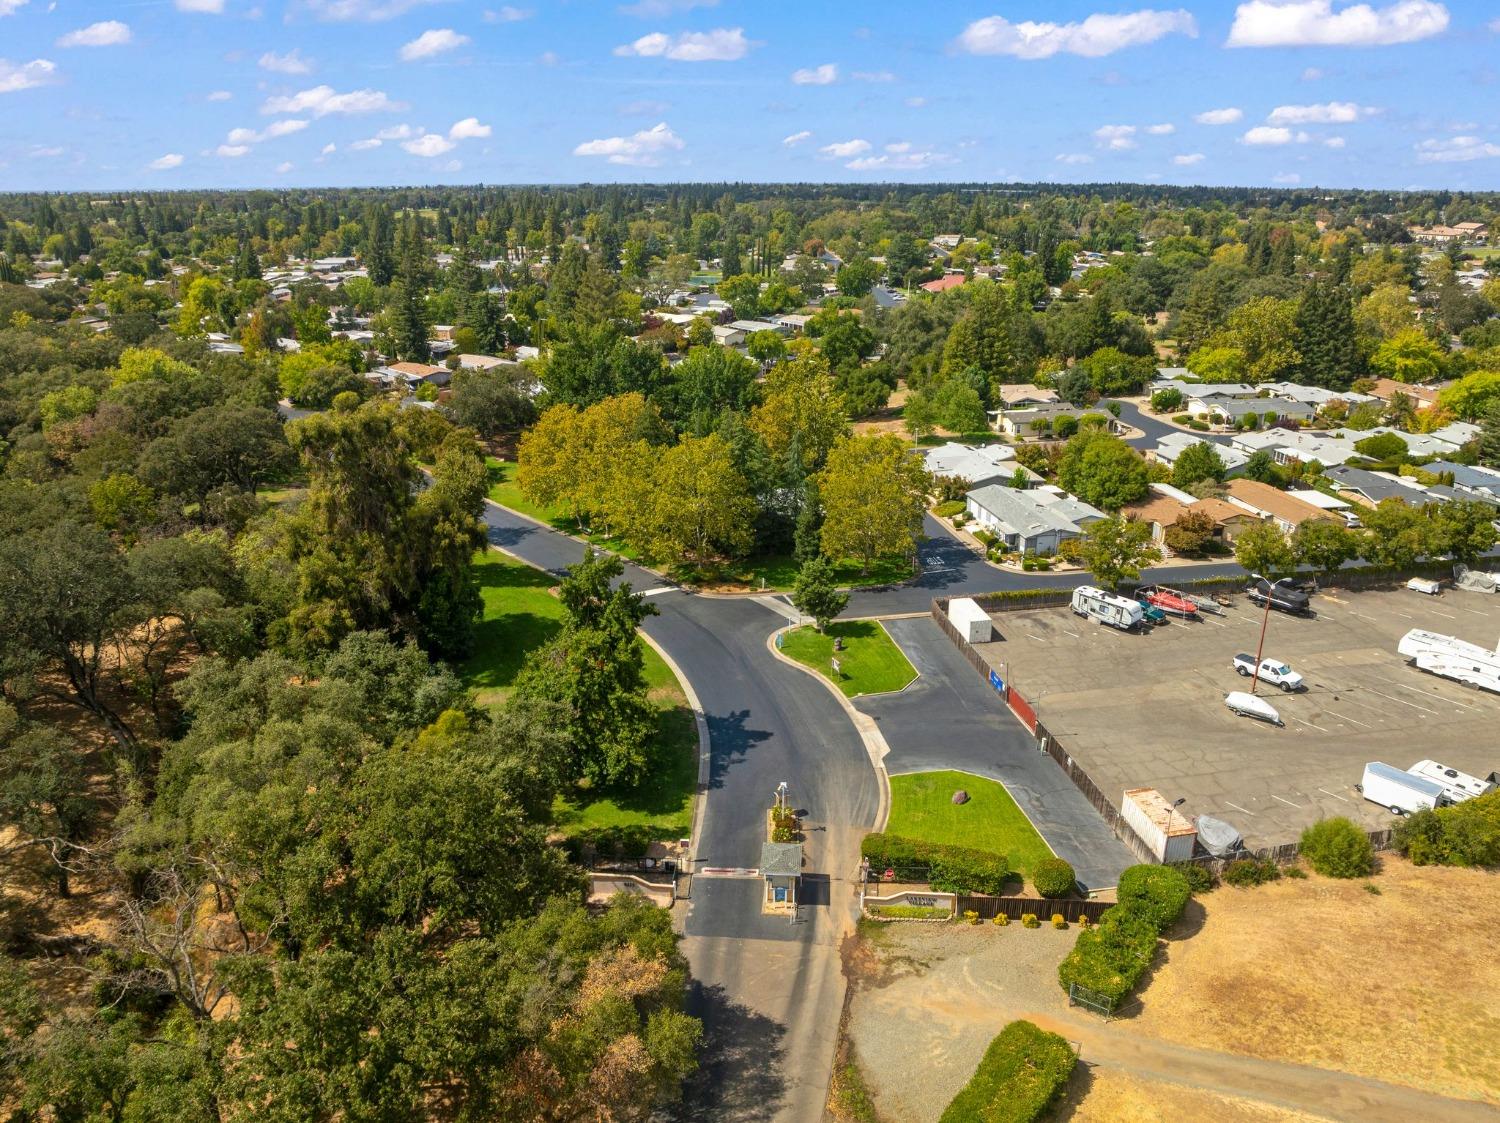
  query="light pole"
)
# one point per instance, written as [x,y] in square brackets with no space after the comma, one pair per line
[1265,620]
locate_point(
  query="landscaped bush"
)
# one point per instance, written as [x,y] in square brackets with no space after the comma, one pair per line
[1199,878]
[1029,920]
[1053,877]
[1466,834]
[1183,419]
[948,869]
[949,509]
[1021,1076]
[909,912]
[1338,848]
[1158,893]
[1112,956]
[1248,872]
[1059,920]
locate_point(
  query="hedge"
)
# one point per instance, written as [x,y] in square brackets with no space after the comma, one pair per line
[1466,834]
[1111,957]
[948,869]
[1053,877]
[1020,1077]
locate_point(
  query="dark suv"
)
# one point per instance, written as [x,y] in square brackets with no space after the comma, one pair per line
[1285,595]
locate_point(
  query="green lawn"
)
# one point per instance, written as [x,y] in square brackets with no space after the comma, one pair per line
[922,807]
[870,663]
[520,615]
[503,490]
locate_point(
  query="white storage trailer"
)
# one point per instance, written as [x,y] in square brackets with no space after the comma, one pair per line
[972,622]
[1452,658]
[1460,785]
[1167,833]
[1107,608]
[1401,792]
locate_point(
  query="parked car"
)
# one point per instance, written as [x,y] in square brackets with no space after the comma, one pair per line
[1149,612]
[1273,671]
[1250,705]
[1285,595]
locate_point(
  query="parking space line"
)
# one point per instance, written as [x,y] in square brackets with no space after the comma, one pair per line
[1362,616]
[1288,802]
[1237,807]
[1073,634]
[1439,697]
[1310,725]
[1335,795]
[1403,701]
[1037,638]
[1408,615]
[1435,612]
[1341,717]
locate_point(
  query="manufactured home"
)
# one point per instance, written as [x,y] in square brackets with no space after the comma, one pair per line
[1451,657]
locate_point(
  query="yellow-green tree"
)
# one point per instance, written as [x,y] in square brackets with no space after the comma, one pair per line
[802,409]
[874,492]
[548,470]
[700,508]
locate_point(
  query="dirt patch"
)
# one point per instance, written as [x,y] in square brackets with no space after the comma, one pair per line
[1107,1096]
[1403,986]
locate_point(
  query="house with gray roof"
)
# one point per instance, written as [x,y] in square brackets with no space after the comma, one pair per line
[1482,483]
[1173,445]
[975,466]
[1027,521]
[1371,488]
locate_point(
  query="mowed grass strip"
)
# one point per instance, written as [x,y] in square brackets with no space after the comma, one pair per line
[521,614]
[922,807]
[870,663]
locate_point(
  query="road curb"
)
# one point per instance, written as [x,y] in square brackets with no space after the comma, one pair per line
[700,719]
[869,733]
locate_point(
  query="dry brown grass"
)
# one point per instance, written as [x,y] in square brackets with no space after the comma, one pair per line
[1403,986]
[1108,1096]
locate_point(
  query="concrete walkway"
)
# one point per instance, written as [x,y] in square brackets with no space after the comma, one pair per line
[949,718]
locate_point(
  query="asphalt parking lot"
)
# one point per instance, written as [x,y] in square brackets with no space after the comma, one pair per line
[1148,711]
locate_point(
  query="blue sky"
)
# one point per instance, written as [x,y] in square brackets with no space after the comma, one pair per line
[241,93]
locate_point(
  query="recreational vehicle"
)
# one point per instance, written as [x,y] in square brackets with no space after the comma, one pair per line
[1460,785]
[1401,792]
[1452,658]
[1106,608]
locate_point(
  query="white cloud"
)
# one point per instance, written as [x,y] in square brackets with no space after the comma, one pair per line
[25,75]
[1287,177]
[656,9]
[270,132]
[166,163]
[220,95]
[231,151]
[1188,159]
[873,76]
[843,149]
[824,75]
[49,153]
[203,7]
[1161,130]
[433,42]
[1219,116]
[549,58]
[916,102]
[898,157]
[365,145]
[320,101]
[797,138]
[1313,74]
[284,167]
[1271,135]
[1074,158]
[428,144]
[507,14]
[290,63]
[1456,150]
[106,33]
[329,149]
[1330,113]
[1314,23]
[1334,142]
[372,11]
[643,149]
[468,129]
[1116,137]
[724,44]
[11,7]
[644,107]
[1098,35]
[398,132]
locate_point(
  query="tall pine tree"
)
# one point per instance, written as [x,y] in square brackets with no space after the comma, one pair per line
[1325,337]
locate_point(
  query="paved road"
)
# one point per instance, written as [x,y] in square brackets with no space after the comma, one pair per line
[770,992]
[1155,429]
[949,718]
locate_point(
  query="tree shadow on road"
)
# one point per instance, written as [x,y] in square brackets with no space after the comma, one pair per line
[739,1076]
[730,741]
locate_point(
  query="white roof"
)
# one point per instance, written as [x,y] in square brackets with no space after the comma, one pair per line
[1319,499]
[1173,445]
[1314,395]
[972,464]
[1302,446]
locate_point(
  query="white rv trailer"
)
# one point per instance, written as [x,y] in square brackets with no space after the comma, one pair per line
[1401,792]
[1460,785]
[1452,658]
[1107,608]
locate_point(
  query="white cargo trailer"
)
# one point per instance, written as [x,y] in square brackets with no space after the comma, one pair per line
[972,622]
[1107,608]
[1168,834]
[1460,785]
[1401,792]
[1452,658]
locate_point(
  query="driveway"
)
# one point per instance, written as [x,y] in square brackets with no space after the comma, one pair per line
[950,718]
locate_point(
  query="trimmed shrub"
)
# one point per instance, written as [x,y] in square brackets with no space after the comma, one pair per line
[1157,892]
[1059,920]
[948,869]
[1029,920]
[971,917]
[1053,877]
[1020,1077]
[1245,873]
[1199,879]
[1338,848]
[1001,920]
[1111,956]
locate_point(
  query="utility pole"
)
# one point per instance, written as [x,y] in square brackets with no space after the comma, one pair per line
[1260,648]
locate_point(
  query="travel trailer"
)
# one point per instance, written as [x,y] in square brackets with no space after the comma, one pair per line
[1460,785]
[1107,608]
[1452,658]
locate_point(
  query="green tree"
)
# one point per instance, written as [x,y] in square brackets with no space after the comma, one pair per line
[45,791]
[816,594]
[1472,395]
[1102,470]
[1112,373]
[801,410]
[700,507]
[765,346]
[919,415]
[1463,529]
[1324,545]
[1397,535]
[229,445]
[874,493]
[491,402]
[1489,436]
[856,278]
[1198,462]
[1408,356]
[1116,549]
[1261,467]
[1190,534]
[1325,337]
[1264,549]
[1166,400]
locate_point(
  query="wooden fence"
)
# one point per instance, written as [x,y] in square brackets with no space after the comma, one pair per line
[1047,743]
[1071,909]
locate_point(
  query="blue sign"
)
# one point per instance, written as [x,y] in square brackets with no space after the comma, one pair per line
[997,682]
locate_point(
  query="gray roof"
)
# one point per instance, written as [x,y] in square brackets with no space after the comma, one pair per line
[1021,512]
[784,858]
[1466,476]
[1240,407]
[1374,486]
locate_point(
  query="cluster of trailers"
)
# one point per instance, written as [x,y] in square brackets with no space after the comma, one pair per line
[1151,605]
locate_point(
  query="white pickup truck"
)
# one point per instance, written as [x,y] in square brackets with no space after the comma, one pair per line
[1273,671]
